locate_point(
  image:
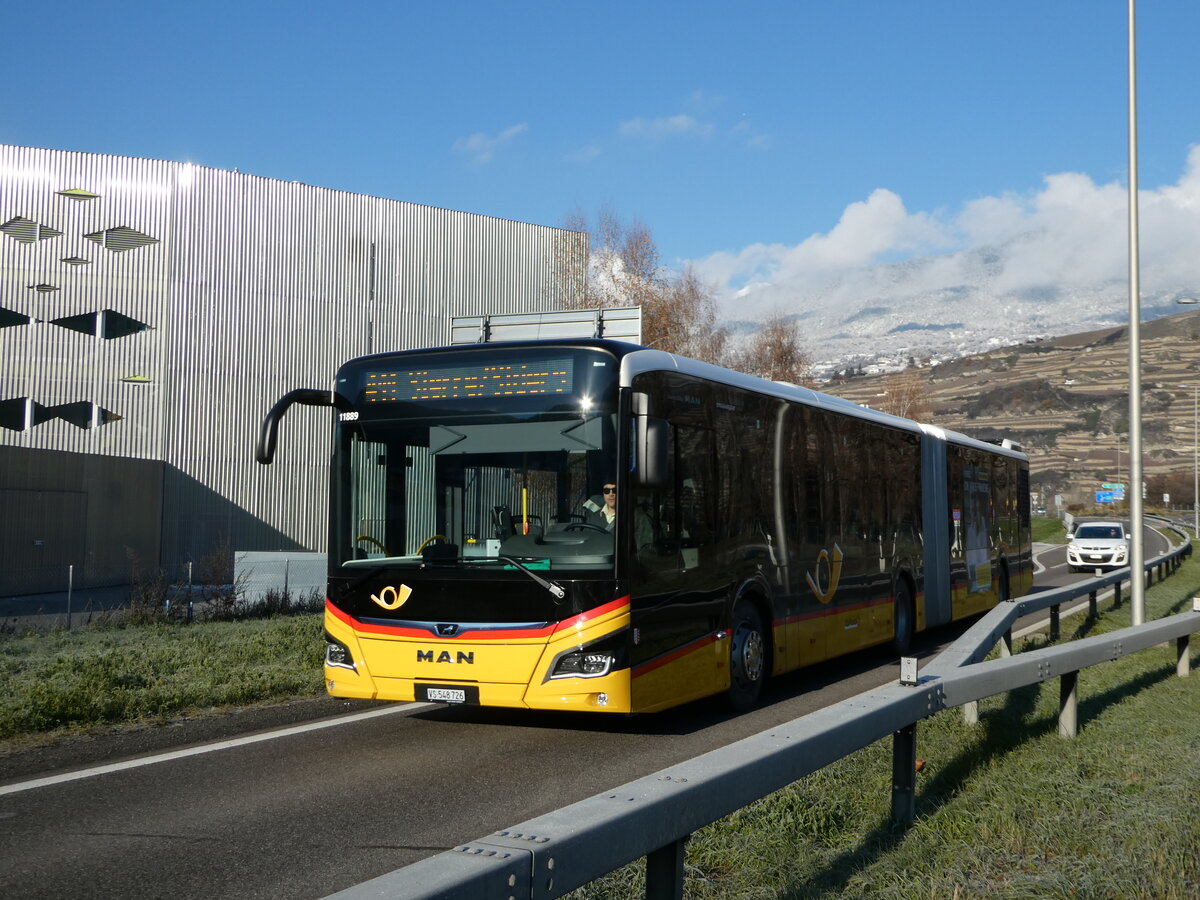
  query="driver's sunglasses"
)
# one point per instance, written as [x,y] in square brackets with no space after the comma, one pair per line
[611,490]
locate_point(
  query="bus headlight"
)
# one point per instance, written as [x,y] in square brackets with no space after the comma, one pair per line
[592,660]
[583,665]
[336,654]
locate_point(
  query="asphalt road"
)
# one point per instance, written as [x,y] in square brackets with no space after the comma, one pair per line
[265,804]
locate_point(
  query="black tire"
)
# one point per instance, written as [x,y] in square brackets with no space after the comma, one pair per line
[904,618]
[748,654]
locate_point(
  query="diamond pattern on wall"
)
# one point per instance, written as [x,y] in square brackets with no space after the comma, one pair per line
[28,231]
[121,238]
[77,194]
[12,413]
[84,323]
[10,319]
[115,324]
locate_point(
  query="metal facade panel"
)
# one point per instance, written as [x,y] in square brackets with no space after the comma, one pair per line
[248,287]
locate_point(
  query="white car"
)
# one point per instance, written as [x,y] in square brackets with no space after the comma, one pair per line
[1098,545]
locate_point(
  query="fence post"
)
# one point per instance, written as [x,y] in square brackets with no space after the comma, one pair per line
[664,872]
[1093,610]
[1068,705]
[904,776]
[1182,666]
[1006,644]
[70,590]
[1117,594]
[1055,627]
[971,712]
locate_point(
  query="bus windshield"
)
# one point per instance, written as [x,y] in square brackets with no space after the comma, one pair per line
[479,458]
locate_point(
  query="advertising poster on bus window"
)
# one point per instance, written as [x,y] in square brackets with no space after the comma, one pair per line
[977,500]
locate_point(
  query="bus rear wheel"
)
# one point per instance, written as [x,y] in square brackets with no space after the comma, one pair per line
[747,657]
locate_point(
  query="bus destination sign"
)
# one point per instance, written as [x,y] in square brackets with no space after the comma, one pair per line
[459,381]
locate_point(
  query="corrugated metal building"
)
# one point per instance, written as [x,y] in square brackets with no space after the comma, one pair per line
[150,313]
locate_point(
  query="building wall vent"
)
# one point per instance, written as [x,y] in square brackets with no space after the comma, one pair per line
[84,414]
[121,239]
[21,413]
[77,194]
[111,324]
[10,319]
[28,231]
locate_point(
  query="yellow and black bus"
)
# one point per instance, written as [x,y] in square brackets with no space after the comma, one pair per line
[477,556]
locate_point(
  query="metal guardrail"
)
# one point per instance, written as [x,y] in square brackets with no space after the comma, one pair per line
[550,855]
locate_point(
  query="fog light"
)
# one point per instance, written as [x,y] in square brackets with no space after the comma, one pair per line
[602,699]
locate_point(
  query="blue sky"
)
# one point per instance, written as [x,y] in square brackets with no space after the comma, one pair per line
[738,133]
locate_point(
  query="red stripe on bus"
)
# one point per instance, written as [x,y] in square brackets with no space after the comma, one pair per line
[834,611]
[678,653]
[479,634]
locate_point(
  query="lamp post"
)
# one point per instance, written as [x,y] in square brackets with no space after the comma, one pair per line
[1137,556]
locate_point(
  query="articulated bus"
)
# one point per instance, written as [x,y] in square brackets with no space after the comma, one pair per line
[477,556]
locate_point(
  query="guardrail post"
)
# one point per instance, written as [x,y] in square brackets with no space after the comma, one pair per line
[1117,594]
[664,872]
[904,776]
[1006,644]
[971,712]
[1068,705]
[1182,666]
[1055,628]
[1093,610]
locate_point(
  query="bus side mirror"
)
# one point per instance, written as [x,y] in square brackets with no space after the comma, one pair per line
[653,439]
[265,451]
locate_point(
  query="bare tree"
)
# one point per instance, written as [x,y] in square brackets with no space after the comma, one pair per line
[679,311]
[776,352]
[906,395]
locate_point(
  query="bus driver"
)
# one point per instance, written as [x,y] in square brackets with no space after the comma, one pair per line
[603,516]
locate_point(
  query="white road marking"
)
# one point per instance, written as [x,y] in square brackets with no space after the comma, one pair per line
[206,748]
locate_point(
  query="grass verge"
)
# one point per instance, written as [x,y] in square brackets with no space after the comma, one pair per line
[102,676]
[1048,530]
[1005,808]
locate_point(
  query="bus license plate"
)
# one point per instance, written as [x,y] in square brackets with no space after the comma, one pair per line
[437,693]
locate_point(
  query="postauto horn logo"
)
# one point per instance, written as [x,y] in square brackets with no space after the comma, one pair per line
[392,598]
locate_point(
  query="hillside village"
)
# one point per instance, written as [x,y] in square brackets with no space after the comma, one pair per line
[1065,400]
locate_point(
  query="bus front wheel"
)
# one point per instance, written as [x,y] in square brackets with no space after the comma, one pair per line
[747,656]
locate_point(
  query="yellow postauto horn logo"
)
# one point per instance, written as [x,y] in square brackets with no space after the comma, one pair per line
[833,567]
[391,598]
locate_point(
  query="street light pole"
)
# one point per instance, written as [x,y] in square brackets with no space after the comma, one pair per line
[1137,567]
[1196,460]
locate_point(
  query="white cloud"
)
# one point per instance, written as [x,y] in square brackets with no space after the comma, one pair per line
[667,126]
[1055,257]
[482,147]
[585,154]
[1070,234]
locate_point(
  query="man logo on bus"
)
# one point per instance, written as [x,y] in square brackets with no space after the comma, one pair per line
[833,573]
[396,598]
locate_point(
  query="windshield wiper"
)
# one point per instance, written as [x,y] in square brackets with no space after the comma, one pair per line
[556,590]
